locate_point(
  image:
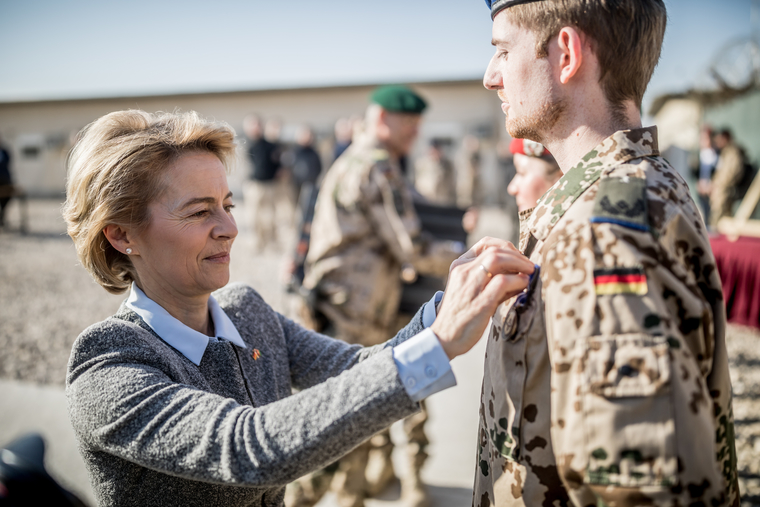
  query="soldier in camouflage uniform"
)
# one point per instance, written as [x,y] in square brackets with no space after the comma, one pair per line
[365,237]
[435,177]
[728,175]
[606,382]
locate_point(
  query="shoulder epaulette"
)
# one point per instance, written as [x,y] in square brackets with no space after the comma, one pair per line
[622,201]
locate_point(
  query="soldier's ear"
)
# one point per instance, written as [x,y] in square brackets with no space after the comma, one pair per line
[382,128]
[570,44]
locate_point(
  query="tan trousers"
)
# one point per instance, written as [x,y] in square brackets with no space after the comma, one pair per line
[348,475]
[261,206]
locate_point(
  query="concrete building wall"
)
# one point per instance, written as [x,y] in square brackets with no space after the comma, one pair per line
[40,134]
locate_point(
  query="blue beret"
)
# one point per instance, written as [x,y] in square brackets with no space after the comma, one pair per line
[497,5]
[398,99]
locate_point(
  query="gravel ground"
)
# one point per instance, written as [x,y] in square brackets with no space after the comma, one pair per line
[744,362]
[47,299]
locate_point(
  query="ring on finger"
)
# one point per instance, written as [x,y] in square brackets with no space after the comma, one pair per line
[485,270]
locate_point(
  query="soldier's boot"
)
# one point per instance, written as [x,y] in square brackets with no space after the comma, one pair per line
[414,492]
[380,474]
[349,482]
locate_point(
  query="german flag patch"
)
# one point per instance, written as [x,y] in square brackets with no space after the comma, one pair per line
[610,281]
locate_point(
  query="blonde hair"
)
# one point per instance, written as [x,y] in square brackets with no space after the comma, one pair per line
[627,36]
[116,170]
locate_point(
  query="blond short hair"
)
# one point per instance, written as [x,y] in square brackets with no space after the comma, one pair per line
[116,170]
[626,35]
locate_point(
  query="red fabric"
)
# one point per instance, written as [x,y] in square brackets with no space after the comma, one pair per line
[529,148]
[739,268]
[619,279]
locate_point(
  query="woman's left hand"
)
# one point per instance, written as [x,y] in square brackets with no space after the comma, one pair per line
[481,279]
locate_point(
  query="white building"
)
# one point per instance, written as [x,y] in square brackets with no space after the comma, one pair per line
[39,133]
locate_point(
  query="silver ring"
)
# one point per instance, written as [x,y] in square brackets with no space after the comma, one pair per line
[485,270]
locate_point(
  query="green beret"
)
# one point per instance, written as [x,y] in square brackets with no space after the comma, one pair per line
[398,99]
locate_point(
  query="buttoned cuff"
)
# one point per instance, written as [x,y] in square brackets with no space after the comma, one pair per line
[429,313]
[423,365]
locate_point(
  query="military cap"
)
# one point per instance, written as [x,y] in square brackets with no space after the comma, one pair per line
[398,99]
[529,148]
[498,5]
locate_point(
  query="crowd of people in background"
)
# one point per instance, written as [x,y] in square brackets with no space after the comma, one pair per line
[724,174]
[282,188]
[445,175]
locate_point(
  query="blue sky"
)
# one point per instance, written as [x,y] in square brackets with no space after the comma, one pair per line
[85,48]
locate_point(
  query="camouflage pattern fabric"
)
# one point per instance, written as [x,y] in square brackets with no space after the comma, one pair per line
[606,382]
[364,230]
[436,180]
[469,185]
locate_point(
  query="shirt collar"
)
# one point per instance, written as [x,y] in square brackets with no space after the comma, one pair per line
[621,147]
[189,342]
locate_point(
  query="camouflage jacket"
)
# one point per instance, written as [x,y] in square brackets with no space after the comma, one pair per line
[365,229]
[606,382]
[436,180]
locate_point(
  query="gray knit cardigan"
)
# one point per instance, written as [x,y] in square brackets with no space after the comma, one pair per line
[155,429]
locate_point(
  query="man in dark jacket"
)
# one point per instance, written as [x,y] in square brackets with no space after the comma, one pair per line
[260,190]
[6,182]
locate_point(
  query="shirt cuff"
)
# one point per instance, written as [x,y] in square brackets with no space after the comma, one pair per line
[423,366]
[429,312]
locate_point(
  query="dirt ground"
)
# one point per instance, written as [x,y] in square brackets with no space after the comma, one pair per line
[47,299]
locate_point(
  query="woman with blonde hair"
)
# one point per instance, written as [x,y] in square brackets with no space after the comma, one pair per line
[187,398]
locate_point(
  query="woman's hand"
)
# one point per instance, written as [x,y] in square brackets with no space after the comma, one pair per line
[481,279]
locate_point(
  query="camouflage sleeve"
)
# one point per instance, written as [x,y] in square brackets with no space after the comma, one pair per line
[639,368]
[384,208]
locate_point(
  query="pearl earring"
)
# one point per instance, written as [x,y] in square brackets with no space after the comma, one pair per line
[129,251]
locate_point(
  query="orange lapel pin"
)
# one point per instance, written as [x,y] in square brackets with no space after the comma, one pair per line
[256,354]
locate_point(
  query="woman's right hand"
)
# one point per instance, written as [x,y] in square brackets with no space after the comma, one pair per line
[481,279]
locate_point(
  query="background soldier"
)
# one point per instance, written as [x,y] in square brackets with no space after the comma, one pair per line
[261,188]
[469,187]
[708,160]
[434,175]
[365,238]
[728,174]
[606,382]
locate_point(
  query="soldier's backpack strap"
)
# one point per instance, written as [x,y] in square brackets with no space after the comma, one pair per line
[622,201]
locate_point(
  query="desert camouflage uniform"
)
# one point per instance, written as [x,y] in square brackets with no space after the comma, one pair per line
[365,229]
[607,382]
[436,180]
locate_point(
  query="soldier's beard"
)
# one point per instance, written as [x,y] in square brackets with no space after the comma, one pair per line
[536,125]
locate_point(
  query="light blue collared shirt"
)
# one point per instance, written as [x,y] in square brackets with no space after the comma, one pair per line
[422,364]
[189,342]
